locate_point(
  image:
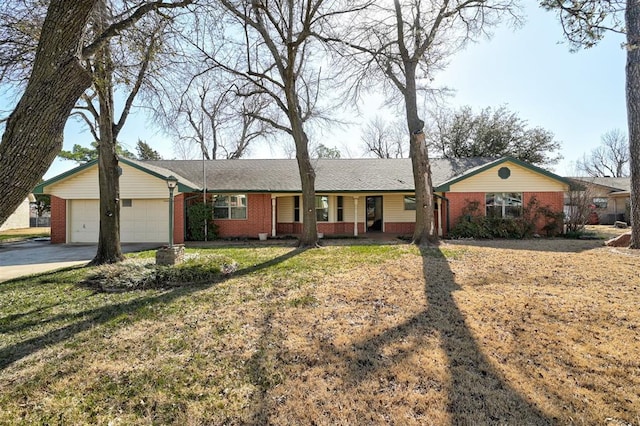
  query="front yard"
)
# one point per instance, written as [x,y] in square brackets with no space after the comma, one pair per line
[23,234]
[495,332]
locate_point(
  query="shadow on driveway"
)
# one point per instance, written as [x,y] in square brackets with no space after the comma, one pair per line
[32,257]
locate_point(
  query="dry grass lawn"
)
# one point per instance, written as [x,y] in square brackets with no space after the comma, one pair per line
[23,233]
[497,332]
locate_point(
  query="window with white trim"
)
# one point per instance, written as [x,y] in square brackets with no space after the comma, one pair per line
[503,204]
[340,208]
[322,208]
[409,202]
[230,206]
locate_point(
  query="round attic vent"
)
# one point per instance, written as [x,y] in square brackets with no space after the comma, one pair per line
[504,172]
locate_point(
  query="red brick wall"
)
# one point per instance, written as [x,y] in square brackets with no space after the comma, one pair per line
[337,228]
[551,200]
[400,228]
[178,219]
[288,228]
[459,200]
[58,220]
[258,219]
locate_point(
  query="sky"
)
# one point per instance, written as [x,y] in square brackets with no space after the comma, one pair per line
[577,96]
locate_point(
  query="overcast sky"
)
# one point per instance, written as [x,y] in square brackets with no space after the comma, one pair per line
[577,96]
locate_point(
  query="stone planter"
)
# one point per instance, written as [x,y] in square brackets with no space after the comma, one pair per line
[263,236]
[170,255]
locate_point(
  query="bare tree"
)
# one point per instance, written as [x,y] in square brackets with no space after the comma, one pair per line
[210,114]
[57,78]
[402,46]
[384,139]
[610,159]
[282,61]
[578,207]
[124,64]
[584,24]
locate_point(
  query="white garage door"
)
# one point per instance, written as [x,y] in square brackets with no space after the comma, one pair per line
[84,221]
[145,221]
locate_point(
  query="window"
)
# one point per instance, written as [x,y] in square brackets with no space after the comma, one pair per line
[296,208]
[127,202]
[600,203]
[409,203]
[504,204]
[340,217]
[322,208]
[230,206]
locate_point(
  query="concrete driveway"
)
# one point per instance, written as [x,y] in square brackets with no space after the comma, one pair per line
[34,257]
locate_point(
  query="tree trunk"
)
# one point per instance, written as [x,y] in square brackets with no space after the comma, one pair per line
[309,236]
[632,17]
[34,131]
[109,250]
[424,232]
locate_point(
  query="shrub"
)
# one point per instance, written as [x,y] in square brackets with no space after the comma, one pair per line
[474,224]
[137,274]
[196,215]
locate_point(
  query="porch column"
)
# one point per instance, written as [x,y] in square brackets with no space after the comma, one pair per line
[273,216]
[355,217]
[439,209]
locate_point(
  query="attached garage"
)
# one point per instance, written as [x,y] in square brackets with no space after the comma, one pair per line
[141,221]
[83,221]
[144,221]
[144,204]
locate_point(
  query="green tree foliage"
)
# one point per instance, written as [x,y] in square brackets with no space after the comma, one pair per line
[145,152]
[323,151]
[81,154]
[492,133]
[197,213]
[42,204]
[585,22]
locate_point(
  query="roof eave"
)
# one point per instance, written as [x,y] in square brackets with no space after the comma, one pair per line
[446,186]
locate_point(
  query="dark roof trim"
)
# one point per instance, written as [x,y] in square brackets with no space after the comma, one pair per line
[445,187]
[39,189]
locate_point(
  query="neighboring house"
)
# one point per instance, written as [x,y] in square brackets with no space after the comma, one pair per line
[609,196]
[19,219]
[353,196]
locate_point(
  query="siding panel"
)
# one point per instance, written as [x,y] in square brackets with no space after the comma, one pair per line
[393,209]
[521,180]
[133,184]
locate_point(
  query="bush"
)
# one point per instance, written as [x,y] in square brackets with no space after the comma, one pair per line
[136,274]
[474,224]
[196,215]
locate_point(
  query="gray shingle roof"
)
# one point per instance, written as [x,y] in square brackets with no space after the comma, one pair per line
[332,175]
[615,184]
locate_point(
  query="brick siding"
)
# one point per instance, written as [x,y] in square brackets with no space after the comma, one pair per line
[459,200]
[58,220]
[178,219]
[258,219]
[399,228]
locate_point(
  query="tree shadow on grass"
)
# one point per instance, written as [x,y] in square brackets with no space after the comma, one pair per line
[477,393]
[90,318]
